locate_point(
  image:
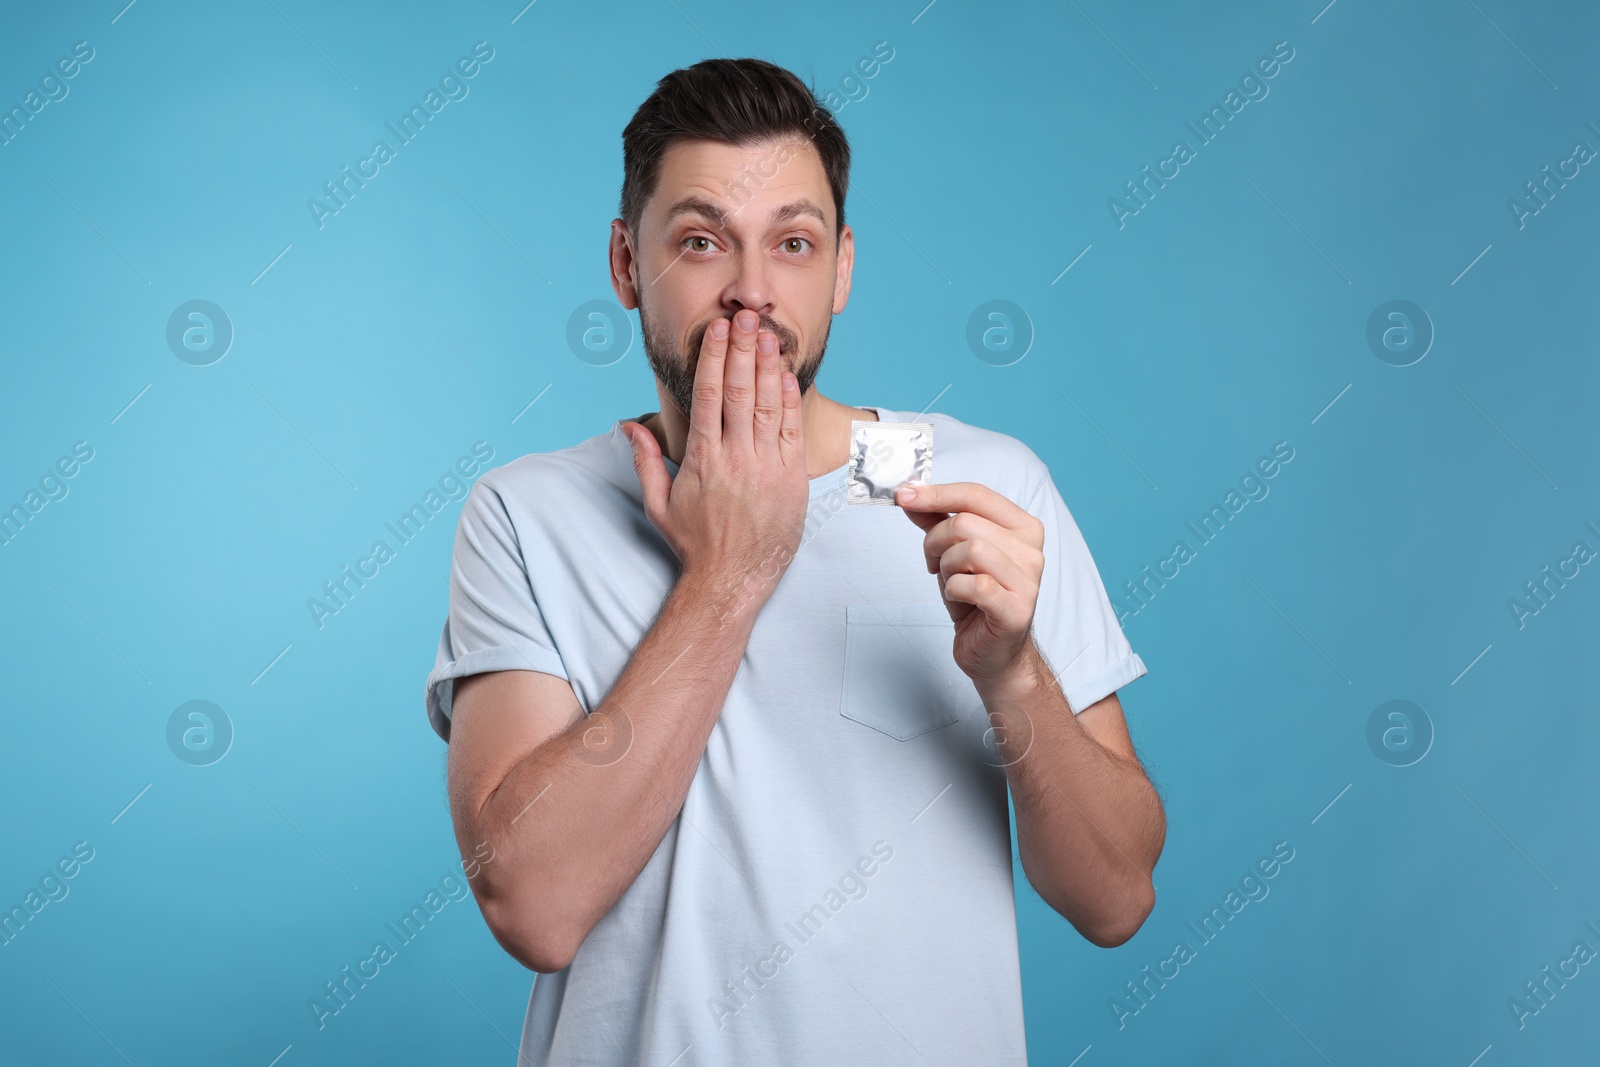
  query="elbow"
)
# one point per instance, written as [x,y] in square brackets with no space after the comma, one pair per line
[1119,929]
[540,921]
[1115,911]
[536,943]
[539,958]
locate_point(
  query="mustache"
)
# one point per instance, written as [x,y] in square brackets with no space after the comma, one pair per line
[788,342]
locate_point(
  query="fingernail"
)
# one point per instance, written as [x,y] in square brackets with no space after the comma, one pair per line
[907,494]
[719,329]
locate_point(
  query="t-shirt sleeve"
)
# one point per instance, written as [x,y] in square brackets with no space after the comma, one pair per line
[1074,623]
[494,622]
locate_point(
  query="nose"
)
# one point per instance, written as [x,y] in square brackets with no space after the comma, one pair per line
[751,285]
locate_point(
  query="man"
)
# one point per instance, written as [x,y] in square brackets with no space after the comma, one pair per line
[731,754]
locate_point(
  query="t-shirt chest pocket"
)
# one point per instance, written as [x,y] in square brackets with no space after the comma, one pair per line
[899,674]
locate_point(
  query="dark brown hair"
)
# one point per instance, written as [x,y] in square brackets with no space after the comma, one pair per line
[732,101]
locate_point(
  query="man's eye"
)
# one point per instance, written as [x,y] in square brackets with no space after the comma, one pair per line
[699,244]
[787,245]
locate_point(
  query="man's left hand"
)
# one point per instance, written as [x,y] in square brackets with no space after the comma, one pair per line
[989,555]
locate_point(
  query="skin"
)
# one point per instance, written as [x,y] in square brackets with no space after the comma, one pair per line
[685,273]
[569,809]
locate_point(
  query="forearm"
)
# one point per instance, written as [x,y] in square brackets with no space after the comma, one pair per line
[1089,824]
[575,821]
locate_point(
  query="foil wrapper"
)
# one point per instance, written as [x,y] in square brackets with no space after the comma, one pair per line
[886,455]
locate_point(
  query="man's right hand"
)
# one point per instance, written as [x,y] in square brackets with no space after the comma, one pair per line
[734,515]
[735,512]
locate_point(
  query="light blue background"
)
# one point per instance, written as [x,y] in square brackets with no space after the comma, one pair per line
[1226,316]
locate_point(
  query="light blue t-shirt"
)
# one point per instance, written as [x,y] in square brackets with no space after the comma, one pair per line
[838,886]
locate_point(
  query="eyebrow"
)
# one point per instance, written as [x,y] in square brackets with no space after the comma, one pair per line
[695,205]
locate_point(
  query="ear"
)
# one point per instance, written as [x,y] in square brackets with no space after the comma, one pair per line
[624,261]
[846,263]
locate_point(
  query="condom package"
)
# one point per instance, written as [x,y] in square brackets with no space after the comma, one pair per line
[886,455]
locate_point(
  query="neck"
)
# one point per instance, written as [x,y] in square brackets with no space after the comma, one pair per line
[826,430]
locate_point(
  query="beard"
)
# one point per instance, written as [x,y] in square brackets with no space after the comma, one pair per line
[675,369]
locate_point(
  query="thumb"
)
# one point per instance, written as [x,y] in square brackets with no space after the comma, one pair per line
[653,480]
[926,520]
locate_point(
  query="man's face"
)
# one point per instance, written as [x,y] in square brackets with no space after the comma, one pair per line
[731,227]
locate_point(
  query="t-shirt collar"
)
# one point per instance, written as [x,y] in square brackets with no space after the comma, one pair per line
[833,481]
